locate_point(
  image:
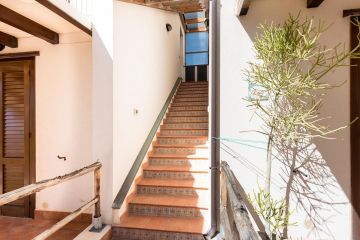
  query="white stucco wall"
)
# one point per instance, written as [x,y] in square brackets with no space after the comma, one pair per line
[102,97]
[63,117]
[146,66]
[237,35]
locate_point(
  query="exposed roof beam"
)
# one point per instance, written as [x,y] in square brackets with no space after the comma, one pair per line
[16,20]
[8,40]
[242,7]
[64,15]
[195,20]
[313,3]
[351,12]
[201,29]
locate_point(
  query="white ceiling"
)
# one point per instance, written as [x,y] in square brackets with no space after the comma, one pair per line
[38,13]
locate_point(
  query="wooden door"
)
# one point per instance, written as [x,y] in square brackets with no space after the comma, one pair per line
[15,134]
[355,128]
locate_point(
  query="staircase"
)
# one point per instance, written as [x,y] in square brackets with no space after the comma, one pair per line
[171,199]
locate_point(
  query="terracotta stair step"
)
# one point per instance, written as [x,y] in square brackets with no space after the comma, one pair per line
[186,108]
[170,201]
[175,109]
[202,146]
[194,152]
[180,168]
[187,92]
[187,114]
[195,83]
[193,184]
[186,125]
[176,156]
[191,95]
[168,141]
[184,136]
[183,132]
[194,87]
[173,162]
[186,120]
[184,104]
[170,225]
[193,99]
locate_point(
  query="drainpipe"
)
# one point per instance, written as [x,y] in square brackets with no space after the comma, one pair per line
[214,117]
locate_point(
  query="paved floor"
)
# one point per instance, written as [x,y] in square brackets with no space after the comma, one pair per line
[25,228]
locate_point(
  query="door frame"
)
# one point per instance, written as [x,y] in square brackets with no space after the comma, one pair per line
[32,116]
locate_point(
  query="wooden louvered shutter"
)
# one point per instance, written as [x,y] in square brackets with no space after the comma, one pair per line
[15,129]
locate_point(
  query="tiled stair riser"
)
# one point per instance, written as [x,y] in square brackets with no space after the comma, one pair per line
[193,88]
[178,162]
[167,132]
[185,125]
[182,141]
[174,175]
[165,211]
[143,234]
[193,99]
[191,95]
[187,119]
[169,191]
[180,151]
[183,104]
[189,108]
[188,113]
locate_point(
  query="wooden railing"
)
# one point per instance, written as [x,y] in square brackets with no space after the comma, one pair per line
[37,187]
[235,209]
[83,6]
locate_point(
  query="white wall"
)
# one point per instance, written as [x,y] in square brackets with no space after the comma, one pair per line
[237,35]
[63,117]
[146,66]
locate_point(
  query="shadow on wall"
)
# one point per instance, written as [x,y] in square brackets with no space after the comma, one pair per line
[307,181]
[102,119]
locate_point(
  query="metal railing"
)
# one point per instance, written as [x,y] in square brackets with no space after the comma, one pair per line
[37,187]
[83,6]
[235,209]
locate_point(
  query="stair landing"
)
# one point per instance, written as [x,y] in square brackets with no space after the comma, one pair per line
[171,200]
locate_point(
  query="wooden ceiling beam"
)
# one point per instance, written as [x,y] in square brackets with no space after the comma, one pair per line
[25,24]
[314,3]
[242,7]
[201,29]
[351,12]
[8,40]
[195,20]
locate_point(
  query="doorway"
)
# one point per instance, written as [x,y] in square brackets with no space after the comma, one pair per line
[17,133]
